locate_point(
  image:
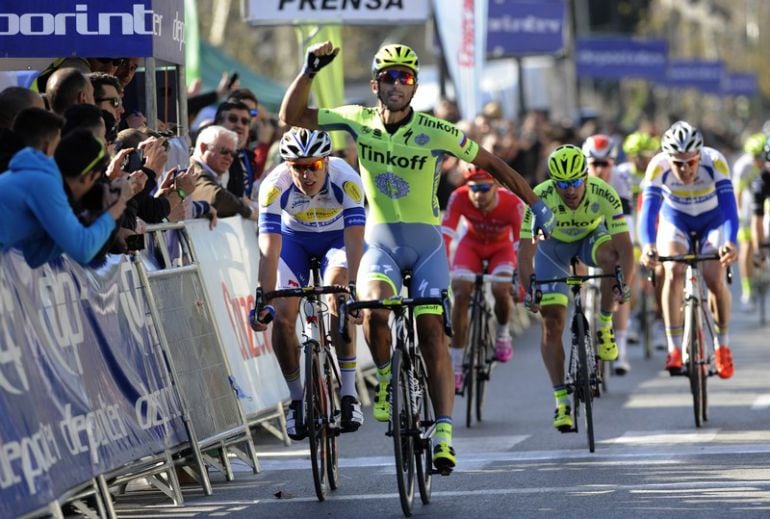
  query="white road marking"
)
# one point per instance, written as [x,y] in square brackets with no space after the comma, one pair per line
[761,402]
[665,437]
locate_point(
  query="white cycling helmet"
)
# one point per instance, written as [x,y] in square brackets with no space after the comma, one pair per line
[600,147]
[301,143]
[682,137]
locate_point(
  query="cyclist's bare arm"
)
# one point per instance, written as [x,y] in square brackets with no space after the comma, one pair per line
[527,249]
[294,107]
[269,253]
[624,246]
[505,174]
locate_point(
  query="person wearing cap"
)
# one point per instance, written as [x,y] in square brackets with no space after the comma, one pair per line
[399,151]
[37,217]
[493,216]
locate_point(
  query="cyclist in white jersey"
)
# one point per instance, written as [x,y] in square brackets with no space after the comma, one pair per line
[689,185]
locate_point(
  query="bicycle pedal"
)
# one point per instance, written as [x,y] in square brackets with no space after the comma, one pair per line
[443,471]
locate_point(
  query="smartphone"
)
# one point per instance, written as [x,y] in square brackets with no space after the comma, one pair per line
[135,242]
[232,80]
[133,161]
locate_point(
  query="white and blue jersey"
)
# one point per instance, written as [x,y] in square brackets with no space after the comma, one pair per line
[310,226]
[705,204]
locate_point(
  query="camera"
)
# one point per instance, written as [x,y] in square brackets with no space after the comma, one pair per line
[133,161]
[135,242]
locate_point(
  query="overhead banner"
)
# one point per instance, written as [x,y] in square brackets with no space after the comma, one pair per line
[462,29]
[618,58]
[740,84]
[93,28]
[338,12]
[704,75]
[525,27]
[81,392]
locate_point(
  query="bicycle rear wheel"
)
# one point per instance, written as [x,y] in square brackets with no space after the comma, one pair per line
[583,385]
[401,429]
[315,413]
[423,448]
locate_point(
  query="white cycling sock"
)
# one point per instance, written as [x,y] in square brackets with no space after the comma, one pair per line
[457,358]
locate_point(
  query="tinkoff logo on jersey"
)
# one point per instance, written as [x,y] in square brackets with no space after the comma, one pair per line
[414,163]
[352,190]
[268,196]
[437,124]
[391,185]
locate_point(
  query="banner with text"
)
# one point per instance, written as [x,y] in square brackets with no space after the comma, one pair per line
[93,28]
[740,84]
[704,75]
[80,388]
[462,29]
[619,58]
[345,12]
[525,27]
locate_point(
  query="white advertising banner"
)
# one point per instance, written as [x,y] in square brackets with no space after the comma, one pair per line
[462,26]
[229,261]
[338,12]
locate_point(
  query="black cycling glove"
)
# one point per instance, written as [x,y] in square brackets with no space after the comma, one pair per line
[315,63]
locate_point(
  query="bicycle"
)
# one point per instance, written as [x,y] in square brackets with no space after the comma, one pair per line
[480,352]
[321,408]
[583,380]
[646,312]
[412,423]
[761,283]
[698,353]
[592,306]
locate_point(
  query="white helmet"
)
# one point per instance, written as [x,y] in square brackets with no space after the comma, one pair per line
[682,137]
[301,143]
[600,147]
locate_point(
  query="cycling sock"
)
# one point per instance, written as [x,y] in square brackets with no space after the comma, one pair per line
[347,376]
[561,395]
[295,385]
[746,288]
[674,336]
[621,338]
[502,330]
[443,429]
[722,336]
[605,319]
[457,355]
[383,372]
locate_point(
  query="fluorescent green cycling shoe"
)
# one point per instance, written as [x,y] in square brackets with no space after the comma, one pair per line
[444,458]
[562,419]
[381,407]
[607,349]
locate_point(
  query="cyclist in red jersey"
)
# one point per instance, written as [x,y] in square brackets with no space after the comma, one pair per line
[493,216]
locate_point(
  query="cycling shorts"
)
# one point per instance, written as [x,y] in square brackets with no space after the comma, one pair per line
[710,230]
[552,260]
[395,247]
[296,251]
[470,254]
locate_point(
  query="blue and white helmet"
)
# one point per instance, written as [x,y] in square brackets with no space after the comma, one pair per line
[301,143]
[682,137]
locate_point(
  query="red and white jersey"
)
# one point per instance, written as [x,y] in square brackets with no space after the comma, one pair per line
[502,223]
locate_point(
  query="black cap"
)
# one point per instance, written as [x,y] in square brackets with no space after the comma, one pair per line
[80,152]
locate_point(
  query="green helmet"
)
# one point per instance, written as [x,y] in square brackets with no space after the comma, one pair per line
[567,162]
[755,144]
[640,142]
[394,55]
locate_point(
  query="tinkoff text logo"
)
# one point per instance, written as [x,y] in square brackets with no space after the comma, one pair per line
[140,21]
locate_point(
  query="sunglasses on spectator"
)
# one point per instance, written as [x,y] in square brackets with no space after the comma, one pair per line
[391,77]
[232,118]
[565,184]
[115,61]
[227,151]
[114,101]
[680,163]
[600,163]
[479,188]
[314,166]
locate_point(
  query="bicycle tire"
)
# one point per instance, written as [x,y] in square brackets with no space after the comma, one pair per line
[315,407]
[472,371]
[761,292]
[486,357]
[332,446]
[646,318]
[423,451]
[583,382]
[401,429]
[694,371]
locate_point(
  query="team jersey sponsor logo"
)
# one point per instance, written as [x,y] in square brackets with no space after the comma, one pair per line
[607,194]
[415,162]
[268,196]
[318,214]
[437,124]
[595,207]
[422,139]
[352,190]
[574,223]
[391,185]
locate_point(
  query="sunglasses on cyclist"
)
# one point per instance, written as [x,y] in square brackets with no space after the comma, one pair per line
[114,101]
[565,184]
[232,118]
[391,77]
[600,163]
[681,163]
[314,166]
[479,188]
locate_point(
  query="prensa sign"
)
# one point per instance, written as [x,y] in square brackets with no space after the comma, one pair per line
[344,12]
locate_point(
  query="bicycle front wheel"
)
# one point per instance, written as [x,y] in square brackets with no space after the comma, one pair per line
[485,359]
[332,447]
[315,414]
[583,384]
[696,364]
[473,363]
[423,448]
[402,426]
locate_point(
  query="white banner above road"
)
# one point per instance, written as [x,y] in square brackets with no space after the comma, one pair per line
[344,12]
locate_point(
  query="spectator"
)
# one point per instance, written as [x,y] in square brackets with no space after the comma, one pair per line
[67,87]
[235,116]
[15,99]
[32,127]
[84,65]
[214,153]
[126,71]
[88,117]
[36,213]
[108,93]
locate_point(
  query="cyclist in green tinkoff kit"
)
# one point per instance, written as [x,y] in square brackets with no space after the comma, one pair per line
[398,152]
[590,225]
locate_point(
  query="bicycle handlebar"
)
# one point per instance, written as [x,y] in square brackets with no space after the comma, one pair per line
[692,260]
[574,280]
[307,291]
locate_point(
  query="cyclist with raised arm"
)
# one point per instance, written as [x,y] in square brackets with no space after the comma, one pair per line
[745,170]
[601,153]
[688,185]
[311,205]
[493,216]
[399,151]
[590,225]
